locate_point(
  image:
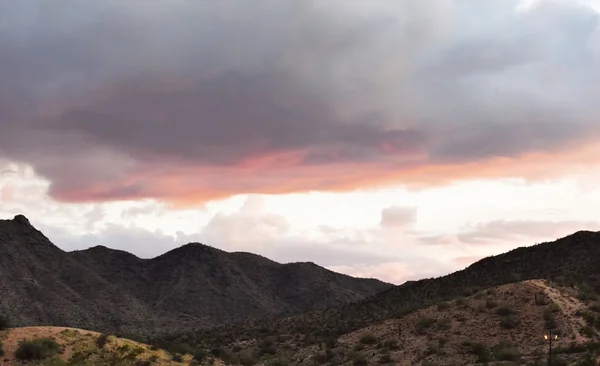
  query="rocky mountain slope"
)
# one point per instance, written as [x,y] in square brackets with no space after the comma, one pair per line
[570,261]
[503,325]
[189,287]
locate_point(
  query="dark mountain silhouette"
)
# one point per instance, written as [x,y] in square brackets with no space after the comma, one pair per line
[189,287]
[573,260]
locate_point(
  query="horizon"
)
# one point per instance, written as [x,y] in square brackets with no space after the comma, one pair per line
[179,246]
[387,140]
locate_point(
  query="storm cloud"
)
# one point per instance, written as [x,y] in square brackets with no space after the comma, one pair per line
[190,100]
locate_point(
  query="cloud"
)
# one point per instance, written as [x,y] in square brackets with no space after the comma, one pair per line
[397,217]
[203,100]
[513,231]
[510,233]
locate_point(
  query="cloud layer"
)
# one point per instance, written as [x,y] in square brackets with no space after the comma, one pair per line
[188,101]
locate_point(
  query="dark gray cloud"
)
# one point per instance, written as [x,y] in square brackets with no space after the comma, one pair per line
[102,98]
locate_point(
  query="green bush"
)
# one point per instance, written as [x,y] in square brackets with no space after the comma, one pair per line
[37,349]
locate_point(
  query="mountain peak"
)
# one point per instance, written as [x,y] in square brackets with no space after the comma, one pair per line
[22,220]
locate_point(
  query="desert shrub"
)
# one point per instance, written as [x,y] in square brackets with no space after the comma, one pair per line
[37,349]
[181,348]
[587,360]
[586,293]
[595,307]
[268,346]
[550,319]
[557,361]
[200,355]
[385,358]
[102,340]
[444,324]
[177,357]
[277,362]
[587,331]
[153,358]
[358,347]
[368,338]
[358,358]
[1,350]
[504,311]
[461,302]
[508,322]
[320,358]
[4,322]
[391,344]
[553,308]
[490,303]
[506,351]
[432,348]
[247,359]
[480,350]
[423,323]
[443,305]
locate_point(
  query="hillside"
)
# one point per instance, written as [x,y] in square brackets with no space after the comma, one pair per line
[573,260]
[72,346]
[189,287]
[502,325]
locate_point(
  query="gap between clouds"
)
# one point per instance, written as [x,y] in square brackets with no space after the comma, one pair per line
[384,252]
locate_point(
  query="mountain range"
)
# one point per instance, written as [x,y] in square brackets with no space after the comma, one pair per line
[189,287]
[201,301]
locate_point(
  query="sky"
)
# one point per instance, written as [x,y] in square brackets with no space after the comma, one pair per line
[391,139]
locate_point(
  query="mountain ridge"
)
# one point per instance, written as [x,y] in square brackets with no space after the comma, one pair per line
[194,285]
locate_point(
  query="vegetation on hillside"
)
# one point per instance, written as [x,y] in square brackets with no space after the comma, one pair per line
[500,324]
[53,346]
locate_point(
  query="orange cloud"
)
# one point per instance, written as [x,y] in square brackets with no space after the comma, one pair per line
[284,172]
